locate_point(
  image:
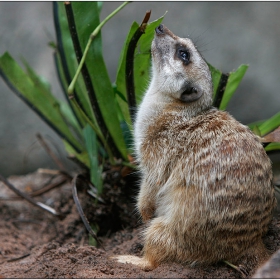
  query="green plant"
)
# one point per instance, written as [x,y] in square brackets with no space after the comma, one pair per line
[96,121]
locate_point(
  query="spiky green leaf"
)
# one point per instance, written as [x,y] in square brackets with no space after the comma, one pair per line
[92,149]
[233,82]
[36,94]
[86,16]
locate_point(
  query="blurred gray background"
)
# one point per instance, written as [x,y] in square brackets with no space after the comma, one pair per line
[227,33]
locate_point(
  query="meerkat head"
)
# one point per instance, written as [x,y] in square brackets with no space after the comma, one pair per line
[180,73]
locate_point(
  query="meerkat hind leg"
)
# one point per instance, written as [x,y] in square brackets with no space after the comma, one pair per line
[140,262]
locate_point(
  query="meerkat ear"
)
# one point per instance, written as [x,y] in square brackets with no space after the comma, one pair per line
[191,94]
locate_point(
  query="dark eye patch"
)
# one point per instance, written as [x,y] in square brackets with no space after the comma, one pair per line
[183,54]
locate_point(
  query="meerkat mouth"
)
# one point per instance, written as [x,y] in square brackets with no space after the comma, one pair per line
[191,94]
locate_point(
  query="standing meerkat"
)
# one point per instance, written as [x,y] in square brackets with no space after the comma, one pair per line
[206,189]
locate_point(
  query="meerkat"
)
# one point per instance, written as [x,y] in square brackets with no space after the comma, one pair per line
[206,189]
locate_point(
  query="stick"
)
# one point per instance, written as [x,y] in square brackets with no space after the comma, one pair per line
[129,70]
[30,199]
[81,212]
[40,191]
[50,152]
[18,258]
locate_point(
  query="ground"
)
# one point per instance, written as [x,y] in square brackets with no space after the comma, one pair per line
[36,244]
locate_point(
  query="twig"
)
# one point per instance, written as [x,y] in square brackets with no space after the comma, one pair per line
[129,71]
[220,91]
[42,190]
[50,187]
[49,171]
[18,258]
[76,161]
[81,212]
[88,82]
[242,270]
[51,153]
[30,199]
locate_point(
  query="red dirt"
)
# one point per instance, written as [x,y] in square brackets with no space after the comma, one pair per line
[35,244]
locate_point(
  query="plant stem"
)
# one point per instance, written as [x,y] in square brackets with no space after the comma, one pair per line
[92,36]
[221,90]
[80,210]
[51,153]
[61,54]
[129,65]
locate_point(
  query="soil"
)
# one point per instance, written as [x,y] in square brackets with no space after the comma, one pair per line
[37,244]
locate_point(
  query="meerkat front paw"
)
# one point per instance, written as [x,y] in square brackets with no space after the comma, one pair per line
[146,208]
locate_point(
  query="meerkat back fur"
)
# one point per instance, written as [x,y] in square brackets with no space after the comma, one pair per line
[206,189]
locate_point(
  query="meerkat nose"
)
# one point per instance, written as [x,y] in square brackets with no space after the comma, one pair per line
[159,30]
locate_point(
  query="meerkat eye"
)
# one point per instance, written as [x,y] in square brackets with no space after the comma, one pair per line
[184,55]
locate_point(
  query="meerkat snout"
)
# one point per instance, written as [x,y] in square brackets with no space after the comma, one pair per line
[159,29]
[191,94]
